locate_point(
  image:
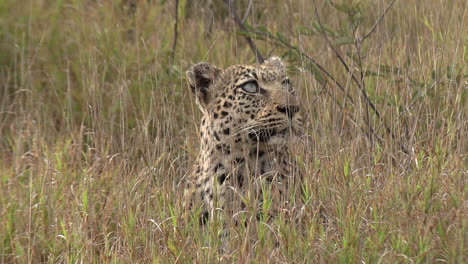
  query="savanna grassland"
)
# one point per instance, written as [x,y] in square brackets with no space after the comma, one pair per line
[98,130]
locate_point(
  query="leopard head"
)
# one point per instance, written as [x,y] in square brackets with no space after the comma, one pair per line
[253,104]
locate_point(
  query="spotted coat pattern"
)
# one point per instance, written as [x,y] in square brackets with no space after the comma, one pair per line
[250,115]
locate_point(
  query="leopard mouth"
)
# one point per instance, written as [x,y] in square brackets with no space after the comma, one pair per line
[265,135]
[273,131]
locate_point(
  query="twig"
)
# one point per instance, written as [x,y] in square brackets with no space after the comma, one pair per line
[176,31]
[241,25]
[359,84]
[369,134]
[361,71]
[305,55]
[247,12]
[377,22]
[337,53]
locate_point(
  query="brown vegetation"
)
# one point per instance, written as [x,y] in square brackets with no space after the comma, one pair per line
[98,130]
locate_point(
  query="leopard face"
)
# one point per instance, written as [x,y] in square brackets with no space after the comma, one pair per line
[250,104]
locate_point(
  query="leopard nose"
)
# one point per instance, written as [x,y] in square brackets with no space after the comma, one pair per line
[288,110]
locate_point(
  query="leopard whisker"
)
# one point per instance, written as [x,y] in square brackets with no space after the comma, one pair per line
[253,128]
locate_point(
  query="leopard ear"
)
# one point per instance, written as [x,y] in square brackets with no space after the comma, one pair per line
[276,63]
[201,78]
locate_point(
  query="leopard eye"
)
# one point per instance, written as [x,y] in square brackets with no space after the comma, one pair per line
[287,84]
[250,87]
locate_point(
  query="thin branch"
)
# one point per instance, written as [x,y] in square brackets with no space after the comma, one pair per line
[241,25]
[249,8]
[176,31]
[305,55]
[357,46]
[369,134]
[337,53]
[377,22]
[359,84]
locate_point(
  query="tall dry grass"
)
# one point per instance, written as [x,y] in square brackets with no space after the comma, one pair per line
[98,131]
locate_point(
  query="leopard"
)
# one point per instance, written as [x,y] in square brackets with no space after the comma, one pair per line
[250,118]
